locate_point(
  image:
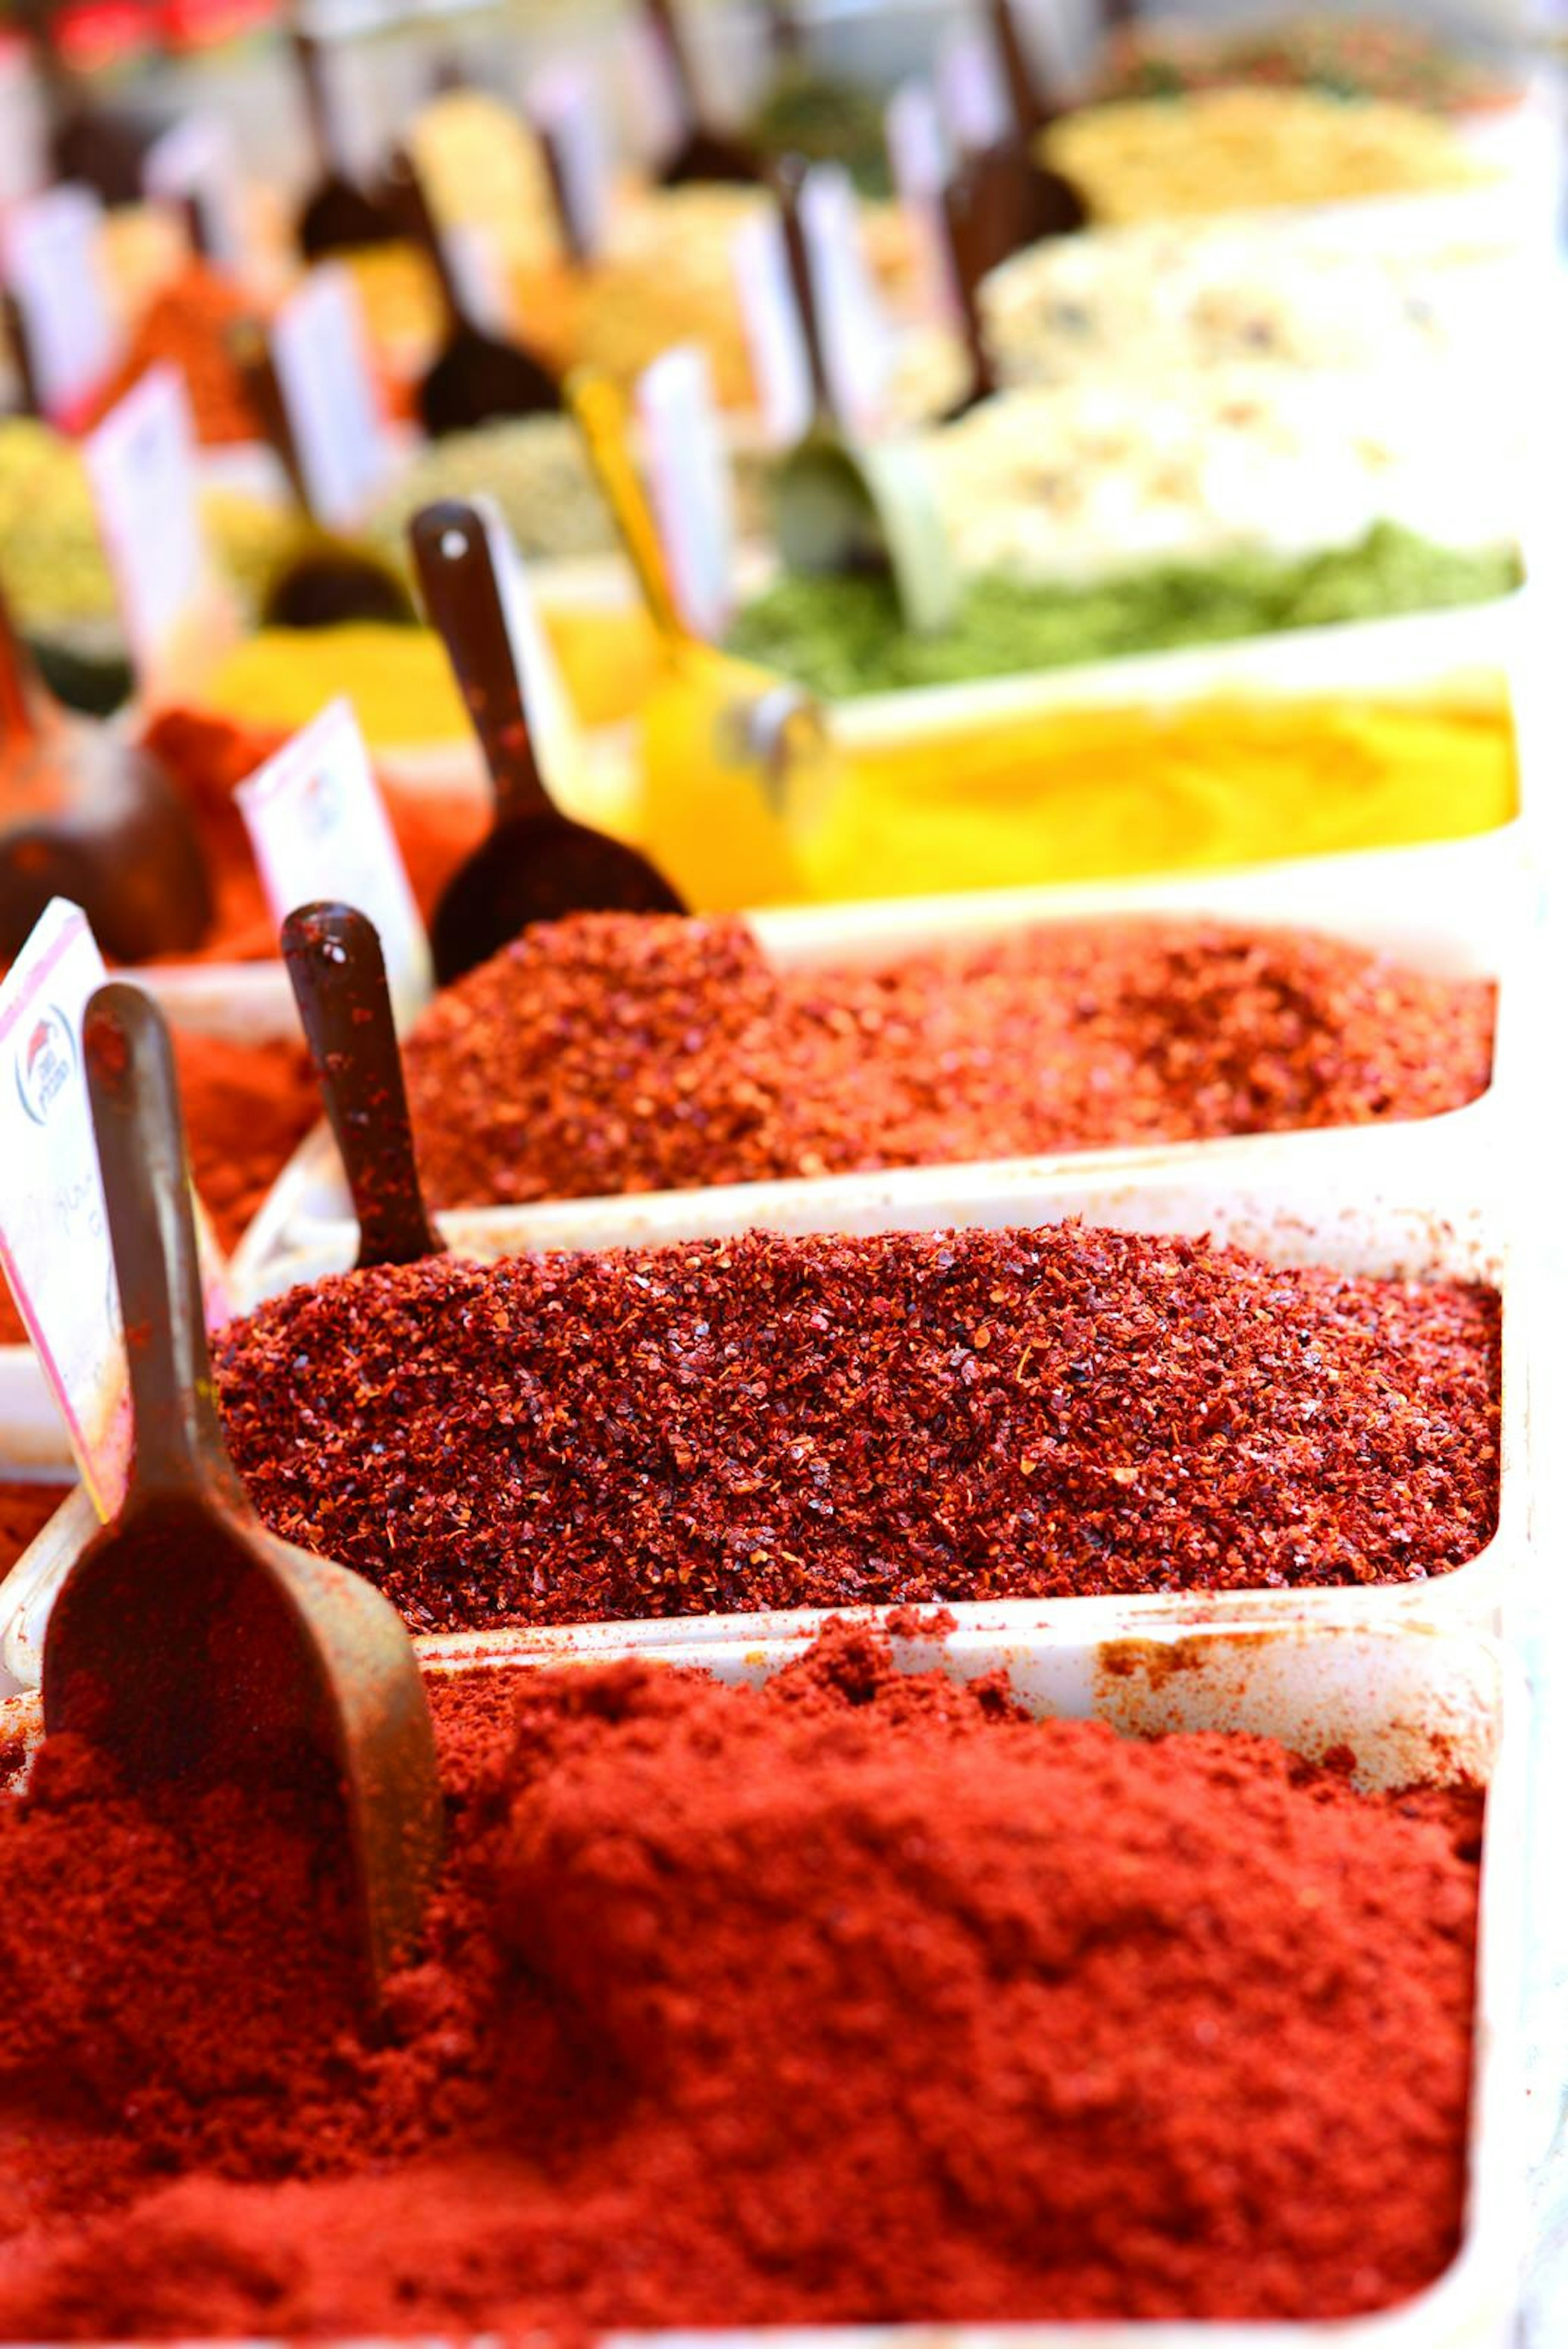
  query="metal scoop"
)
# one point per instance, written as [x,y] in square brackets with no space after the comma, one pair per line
[476,377]
[842,505]
[87,816]
[536,863]
[702,154]
[187,1640]
[340,979]
[338,216]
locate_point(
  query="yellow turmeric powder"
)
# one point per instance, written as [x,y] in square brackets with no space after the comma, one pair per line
[1091,795]
[400,681]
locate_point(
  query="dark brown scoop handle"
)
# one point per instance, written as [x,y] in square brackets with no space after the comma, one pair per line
[339,981]
[412,198]
[253,355]
[311,67]
[667,31]
[1029,111]
[968,237]
[785,37]
[463,601]
[135,1097]
[788,178]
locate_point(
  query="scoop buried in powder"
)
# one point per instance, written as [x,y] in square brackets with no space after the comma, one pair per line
[536,862]
[187,1641]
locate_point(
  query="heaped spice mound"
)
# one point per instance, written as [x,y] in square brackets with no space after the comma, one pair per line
[856,1998]
[621,1052]
[767,1422]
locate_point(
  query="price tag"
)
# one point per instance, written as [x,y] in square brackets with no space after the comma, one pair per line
[476,273]
[688,475]
[193,165]
[857,344]
[319,352]
[552,720]
[141,466]
[917,151]
[781,364]
[973,93]
[319,830]
[54,1228]
[53,269]
[564,107]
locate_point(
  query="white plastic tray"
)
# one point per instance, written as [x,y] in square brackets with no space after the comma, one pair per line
[1409,1707]
[1285,1211]
[1452,909]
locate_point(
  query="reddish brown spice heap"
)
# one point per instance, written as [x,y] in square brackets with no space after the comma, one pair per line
[857,1998]
[247,1107]
[191,325]
[24,1510]
[619,1052]
[781,1423]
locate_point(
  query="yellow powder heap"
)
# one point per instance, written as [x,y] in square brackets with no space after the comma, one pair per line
[1237,149]
[1093,794]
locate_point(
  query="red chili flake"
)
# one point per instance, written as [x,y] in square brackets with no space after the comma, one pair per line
[622,1052]
[773,1421]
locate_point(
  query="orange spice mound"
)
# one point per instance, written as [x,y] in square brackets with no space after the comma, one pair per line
[189,325]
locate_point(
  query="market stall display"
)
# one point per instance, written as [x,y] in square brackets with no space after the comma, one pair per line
[1008,1352]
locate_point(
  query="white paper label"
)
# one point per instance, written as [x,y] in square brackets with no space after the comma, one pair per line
[54,1231]
[53,266]
[689,475]
[319,830]
[141,465]
[318,352]
[193,164]
[973,93]
[565,108]
[781,364]
[857,344]
[551,721]
[917,151]
[478,277]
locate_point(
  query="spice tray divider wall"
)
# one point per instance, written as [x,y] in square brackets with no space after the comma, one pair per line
[1277,1210]
[1445,1708]
[1453,909]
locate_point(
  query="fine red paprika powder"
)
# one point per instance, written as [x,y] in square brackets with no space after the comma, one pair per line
[26,1510]
[857,1998]
[614,1053]
[770,1422]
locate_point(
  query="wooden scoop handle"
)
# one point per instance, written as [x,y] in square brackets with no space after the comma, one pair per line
[599,405]
[1030,113]
[339,981]
[311,67]
[788,180]
[412,198]
[464,602]
[141,1133]
[667,31]
[968,233]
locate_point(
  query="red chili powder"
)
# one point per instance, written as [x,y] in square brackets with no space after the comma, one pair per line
[854,1999]
[624,1052]
[25,1508]
[768,1422]
[247,1107]
[209,757]
[191,325]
